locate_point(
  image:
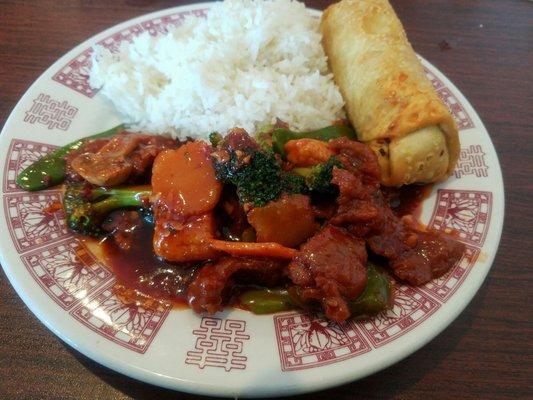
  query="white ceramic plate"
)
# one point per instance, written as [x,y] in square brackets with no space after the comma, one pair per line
[233,353]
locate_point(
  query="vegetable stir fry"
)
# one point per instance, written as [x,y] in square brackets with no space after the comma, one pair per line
[276,221]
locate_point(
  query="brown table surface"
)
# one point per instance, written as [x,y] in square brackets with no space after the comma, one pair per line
[485,354]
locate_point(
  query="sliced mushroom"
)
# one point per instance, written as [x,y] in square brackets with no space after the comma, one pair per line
[102,169]
[110,165]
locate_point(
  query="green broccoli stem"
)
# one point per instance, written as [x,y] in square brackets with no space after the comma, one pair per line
[280,136]
[120,198]
[50,170]
[376,297]
[87,207]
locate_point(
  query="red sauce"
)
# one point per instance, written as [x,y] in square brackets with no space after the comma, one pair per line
[144,274]
[407,200]
[330,267]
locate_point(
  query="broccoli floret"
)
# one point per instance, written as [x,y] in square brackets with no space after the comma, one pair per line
[86,207]
[215,138]
[318,178]
[293,184]
[255,172]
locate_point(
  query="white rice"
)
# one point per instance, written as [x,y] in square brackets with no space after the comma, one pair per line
[248,63]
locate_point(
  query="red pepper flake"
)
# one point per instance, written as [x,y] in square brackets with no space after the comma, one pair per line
[444,45]
[53,207]
[281,124]
[47,180]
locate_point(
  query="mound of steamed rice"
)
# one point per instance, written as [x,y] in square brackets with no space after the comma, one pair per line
[246,64]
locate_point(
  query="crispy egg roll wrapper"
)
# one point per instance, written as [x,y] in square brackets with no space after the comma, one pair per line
[389,100]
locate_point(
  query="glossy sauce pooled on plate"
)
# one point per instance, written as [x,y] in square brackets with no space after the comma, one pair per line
[128,249]
[136,267]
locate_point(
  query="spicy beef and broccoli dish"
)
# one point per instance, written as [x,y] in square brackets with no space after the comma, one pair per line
[275,221]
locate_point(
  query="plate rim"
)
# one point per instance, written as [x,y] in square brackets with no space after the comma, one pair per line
[201,387]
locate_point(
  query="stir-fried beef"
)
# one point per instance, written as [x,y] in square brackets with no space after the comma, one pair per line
[360,160]
[238,139]
[414,256]
[356,205]
[209,290]
[238,143]
[330,268]
[145,153]
[432,256]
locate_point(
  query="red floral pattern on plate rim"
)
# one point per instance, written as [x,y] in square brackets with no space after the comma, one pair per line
[66,271]
[307,341]
[29,223]
[411,307]
[21,154]
[61,264]
[444,287]
[75,74]
[128,325]
[465,213]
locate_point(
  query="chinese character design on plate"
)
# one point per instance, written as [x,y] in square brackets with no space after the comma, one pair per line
[50,113]
[472,162]
[219,343]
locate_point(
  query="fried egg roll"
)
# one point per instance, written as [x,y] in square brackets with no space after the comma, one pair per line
[389,100]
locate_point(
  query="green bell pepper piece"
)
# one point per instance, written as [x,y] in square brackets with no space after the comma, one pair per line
[280,136]
[376,297]
[266,301]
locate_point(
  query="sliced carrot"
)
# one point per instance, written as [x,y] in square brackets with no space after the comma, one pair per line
[185,179]
[186,192]
[252,249]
